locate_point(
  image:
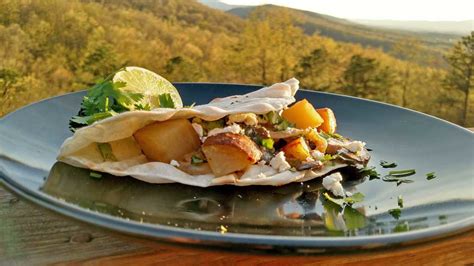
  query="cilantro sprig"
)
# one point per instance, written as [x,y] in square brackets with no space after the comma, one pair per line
[107,98]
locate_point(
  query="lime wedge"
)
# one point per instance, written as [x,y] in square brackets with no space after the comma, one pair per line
[148,83]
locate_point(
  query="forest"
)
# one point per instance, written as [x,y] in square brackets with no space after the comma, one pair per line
[51,47]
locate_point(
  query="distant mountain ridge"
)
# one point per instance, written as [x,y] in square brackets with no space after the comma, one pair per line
[348,31]
[219,4]
[452,27]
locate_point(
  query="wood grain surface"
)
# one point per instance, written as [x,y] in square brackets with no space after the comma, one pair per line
[30,235]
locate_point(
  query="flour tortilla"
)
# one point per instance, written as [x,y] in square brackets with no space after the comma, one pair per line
[81,150]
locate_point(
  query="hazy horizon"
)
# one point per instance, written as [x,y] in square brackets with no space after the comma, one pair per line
[401,10]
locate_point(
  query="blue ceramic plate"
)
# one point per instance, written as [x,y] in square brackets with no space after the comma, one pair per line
[295,217]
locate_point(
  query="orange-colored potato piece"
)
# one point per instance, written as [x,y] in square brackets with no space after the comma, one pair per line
[169,140]
[320,142]
[329,125]
[227,153]
[296,149]
[303,115]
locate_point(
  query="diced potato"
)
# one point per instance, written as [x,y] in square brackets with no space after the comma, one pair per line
[227,153]
[169,140]
[125,148]
[329,125]
[303,115]
[320,142]
[296,149]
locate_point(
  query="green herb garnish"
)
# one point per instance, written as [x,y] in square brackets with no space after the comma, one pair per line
[105,99]
[386,164]
[142,107]
[106,151]
[328,157]
[95,175]
[278,122]
[336,136]
[370,172]
[166,101]
[396,213]
[400,201]
[210,125]
[357,197]
[267,143]
[196,160]
[430,176]
[399,180]
[402,173]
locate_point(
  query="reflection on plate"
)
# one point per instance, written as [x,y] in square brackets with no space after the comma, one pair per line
[288,217]
[292,210]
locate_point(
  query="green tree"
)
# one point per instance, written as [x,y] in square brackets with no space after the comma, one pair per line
[461,73]
[408,49]
[8,77]
[101,62]
[364,77]
[312,69]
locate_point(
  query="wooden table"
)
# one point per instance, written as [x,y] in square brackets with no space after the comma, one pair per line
[32,235]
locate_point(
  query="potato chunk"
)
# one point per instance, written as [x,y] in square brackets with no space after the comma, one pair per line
[303,115]
[329,125]
[227,153]
[169,140]
[296,149]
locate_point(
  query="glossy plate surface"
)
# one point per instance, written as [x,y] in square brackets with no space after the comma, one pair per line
[295,217]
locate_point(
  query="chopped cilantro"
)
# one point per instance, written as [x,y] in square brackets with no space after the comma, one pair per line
[402,173]
[95,175]
[106,151]
[357,197]
[210,125]
[196,160]
[166,101]
[396,213]
[324,135]
[400,201]
[398,179]
[386,164]
[267,143]
[370,172]
[278,122]
[335,136]
[430,176]
[328,157]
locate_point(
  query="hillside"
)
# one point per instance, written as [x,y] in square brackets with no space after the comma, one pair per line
[346,31]
[50,47]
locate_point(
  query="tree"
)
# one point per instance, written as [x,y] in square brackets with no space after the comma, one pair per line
[364,77]
[408,49]
[312,69]
[8,77]
[269,45]
[461,74]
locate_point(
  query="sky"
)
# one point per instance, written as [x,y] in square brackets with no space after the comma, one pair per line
[431,10]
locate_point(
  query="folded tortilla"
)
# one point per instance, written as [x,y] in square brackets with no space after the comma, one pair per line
[81,149]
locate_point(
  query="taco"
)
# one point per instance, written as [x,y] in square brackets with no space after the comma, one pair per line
[260,138]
